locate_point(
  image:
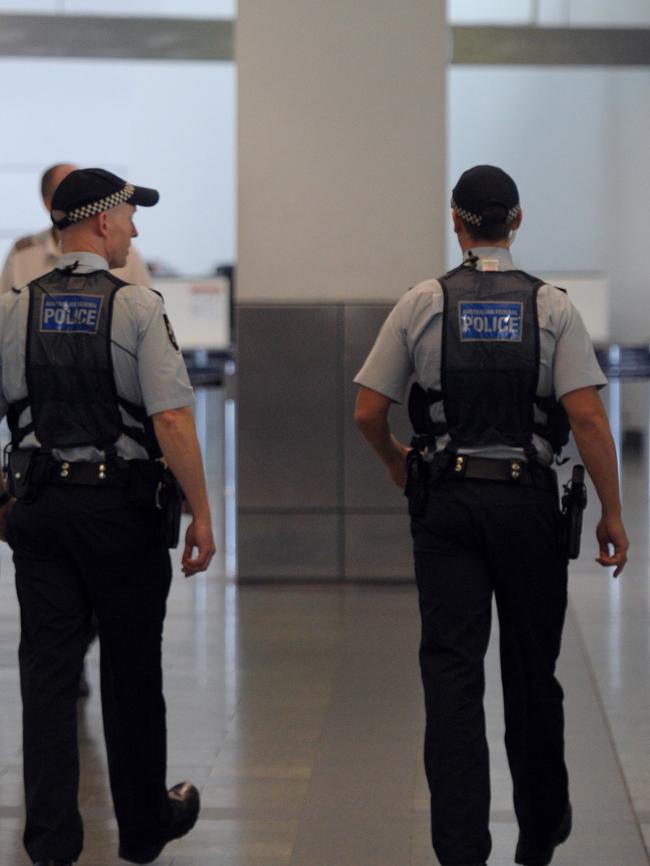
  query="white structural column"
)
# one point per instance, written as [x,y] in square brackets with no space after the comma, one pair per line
[341,147]
[342,207]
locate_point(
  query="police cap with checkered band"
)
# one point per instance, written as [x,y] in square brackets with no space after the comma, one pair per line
[486,196]
[89,191]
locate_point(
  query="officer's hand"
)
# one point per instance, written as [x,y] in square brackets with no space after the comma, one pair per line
[610,532]
[198,535]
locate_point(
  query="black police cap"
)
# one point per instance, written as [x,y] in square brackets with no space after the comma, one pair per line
[485,196]
[89,191]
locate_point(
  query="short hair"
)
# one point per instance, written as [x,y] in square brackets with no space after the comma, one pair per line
[493,233]
[47,180]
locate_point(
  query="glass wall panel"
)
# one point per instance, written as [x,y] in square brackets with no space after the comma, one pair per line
[575,140]
[604,13]
[574,13]
[490,11]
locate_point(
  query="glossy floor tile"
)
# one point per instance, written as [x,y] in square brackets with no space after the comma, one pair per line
[297,711]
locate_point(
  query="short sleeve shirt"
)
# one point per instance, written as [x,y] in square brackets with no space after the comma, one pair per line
[148,367]
[409,343]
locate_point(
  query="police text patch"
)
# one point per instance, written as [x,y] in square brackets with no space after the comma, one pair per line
[490,320]
[71,313]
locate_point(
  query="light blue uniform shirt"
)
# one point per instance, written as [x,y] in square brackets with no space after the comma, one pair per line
[410,343]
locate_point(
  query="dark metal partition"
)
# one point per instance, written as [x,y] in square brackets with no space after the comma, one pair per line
[314,503]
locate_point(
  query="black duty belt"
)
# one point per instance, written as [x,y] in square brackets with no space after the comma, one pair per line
[513,471]
[111,473]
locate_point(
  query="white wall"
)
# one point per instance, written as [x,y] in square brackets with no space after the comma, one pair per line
[170,125]
[341,144]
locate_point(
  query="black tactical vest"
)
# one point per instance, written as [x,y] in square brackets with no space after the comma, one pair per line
[490,357]
[69,368]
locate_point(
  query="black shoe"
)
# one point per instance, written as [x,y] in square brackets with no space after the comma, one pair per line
[530,854]
[185,805]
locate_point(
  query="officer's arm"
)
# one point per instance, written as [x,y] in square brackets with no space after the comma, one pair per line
[371,417]
[176,434]
[6,501]
[594,440]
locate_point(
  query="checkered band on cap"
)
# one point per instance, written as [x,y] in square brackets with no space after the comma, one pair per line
[477,220]
[466,216]
[101,205]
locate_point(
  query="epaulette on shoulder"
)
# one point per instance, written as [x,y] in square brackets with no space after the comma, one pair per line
[25,243]
[553,286]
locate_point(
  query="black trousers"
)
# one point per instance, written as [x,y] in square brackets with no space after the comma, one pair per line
[478,539]
[80,551]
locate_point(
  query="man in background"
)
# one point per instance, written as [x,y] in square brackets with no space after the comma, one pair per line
[35,255]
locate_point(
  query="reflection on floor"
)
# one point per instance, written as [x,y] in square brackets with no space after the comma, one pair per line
[297,710]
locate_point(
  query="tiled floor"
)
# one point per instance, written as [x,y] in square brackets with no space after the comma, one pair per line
[297,710]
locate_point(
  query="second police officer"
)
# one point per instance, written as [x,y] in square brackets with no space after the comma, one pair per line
[492,349]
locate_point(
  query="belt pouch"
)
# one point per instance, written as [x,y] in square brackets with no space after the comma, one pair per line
[19,466]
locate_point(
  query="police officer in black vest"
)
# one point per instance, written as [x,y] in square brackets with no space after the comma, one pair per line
[95,390]
[498,358]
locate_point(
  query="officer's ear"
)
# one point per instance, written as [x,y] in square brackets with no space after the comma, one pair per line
[458,223]
[103,223]
[517,220]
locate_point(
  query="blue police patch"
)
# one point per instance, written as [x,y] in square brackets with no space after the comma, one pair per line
[71,314]
[490,320]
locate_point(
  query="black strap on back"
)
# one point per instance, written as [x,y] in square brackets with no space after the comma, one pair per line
[425,429]
[556,427]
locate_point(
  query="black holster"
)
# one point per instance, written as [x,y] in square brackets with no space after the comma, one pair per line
[169,499]
[417,482]
[574,502]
